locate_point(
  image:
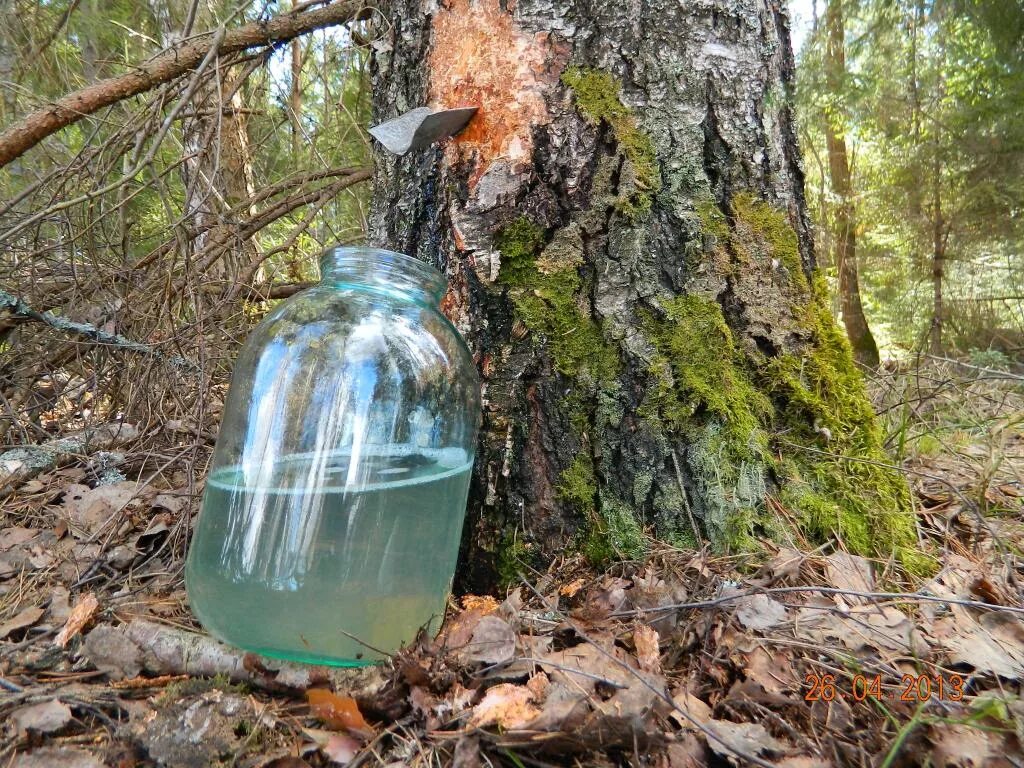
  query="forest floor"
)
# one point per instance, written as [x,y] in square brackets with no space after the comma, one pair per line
[790,658]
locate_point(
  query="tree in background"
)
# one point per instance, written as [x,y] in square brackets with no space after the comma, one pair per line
[844,214]
[929,94]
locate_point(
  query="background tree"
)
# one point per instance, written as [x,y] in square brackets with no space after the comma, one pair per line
[928,90]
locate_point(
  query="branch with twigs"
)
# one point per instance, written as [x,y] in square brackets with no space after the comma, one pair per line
[172,63]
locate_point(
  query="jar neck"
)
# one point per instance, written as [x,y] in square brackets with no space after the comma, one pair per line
[376,270]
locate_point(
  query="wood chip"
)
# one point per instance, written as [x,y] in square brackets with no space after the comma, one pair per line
[85,608]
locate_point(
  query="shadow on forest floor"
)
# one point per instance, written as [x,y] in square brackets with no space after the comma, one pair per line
[788,658]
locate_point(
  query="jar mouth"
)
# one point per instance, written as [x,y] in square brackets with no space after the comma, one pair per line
[381,269]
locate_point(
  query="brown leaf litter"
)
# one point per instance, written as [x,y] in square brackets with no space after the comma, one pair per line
[787,659]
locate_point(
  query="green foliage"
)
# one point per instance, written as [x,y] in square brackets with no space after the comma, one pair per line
[598,97]
[930,105]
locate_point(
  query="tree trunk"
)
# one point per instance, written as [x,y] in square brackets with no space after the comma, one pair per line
[938,258]
[623,228]
[865,351]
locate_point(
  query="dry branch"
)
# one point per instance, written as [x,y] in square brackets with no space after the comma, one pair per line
[21,464]
[20,309]
[162,650]
[172,63]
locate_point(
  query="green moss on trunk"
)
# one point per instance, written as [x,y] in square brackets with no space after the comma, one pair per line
[737,411]
[598,98]
[733,410]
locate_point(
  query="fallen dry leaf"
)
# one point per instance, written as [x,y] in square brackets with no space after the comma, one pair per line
[648,652]
[484,604]
[689,751]
[337,711]
[11,537]
[45,717]
[689,710]
[570,589]
[57,757]
[742,739]
[91,508]
[493,642]
[759,612]
[963,746]
[26,618]
[994,645]
[506,705]
[846,571]
[85,608]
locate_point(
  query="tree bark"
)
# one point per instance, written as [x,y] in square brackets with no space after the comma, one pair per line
[624,231]
[865,351]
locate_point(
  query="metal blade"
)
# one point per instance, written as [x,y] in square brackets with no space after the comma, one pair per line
[421,127]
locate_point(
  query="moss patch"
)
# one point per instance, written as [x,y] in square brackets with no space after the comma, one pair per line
[513,559]
[840,481]
[519,244]
[578,485]
[598,97]
[725,403]
[698,367]
[704,392]
[547,302]
[769,228]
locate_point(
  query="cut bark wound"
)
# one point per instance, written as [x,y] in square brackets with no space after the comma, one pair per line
[481,57]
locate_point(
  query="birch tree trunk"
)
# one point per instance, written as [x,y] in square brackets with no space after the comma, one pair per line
[624,231]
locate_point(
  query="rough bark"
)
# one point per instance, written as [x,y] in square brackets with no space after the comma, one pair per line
[36,126]
[623,227]
[865,351]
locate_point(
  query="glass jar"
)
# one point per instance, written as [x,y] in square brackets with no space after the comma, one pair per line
[333,509]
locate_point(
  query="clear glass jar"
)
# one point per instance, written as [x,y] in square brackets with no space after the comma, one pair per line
[333,510]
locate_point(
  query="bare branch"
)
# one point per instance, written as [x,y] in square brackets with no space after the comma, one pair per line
[35,127]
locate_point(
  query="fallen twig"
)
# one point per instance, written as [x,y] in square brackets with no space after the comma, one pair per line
[161,650]
[89,331]
[19,465]
[907,596]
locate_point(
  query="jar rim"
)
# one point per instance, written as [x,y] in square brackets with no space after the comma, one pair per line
[382,265]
